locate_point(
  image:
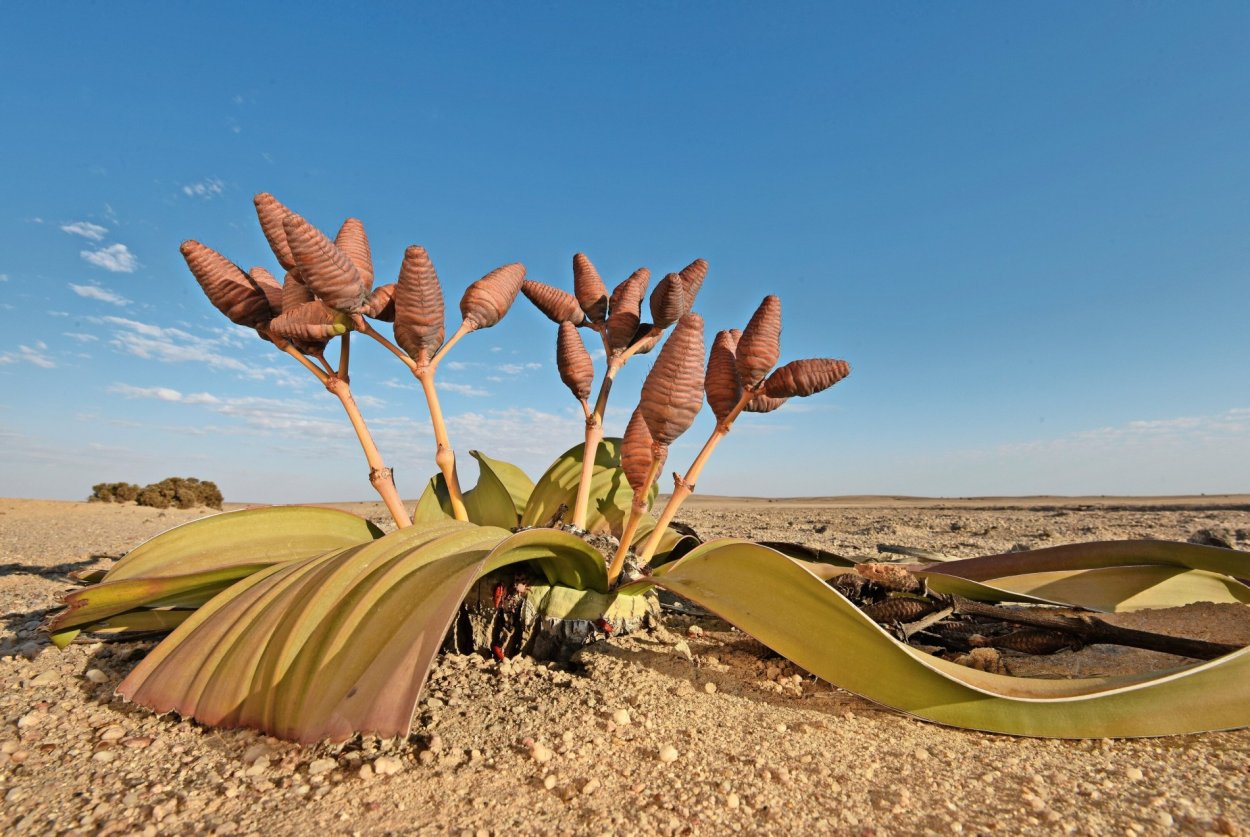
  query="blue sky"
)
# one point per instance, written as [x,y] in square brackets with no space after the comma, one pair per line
[1026,227]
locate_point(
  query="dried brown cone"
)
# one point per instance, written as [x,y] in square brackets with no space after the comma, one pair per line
[270,211]
[227,286]
[638,451]
[381,303]
[646,338]
[270,287]
[692,276]
[721,381]
[673,391]
[576,368]
[354,243]
[760,344]
[419,312]
[761,403]
[900,610]
[323,267]
[668,301]
[588,287]
[486,301]
[805,377]
[1031,641]
[625,309]
[294,291]
[559,306]
[312,321]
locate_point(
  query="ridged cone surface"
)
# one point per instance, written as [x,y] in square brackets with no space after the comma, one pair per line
[625,309]
[668,301]
[419,310]
[761,403]
[577,370]
[760,344]
[721,381]
[805,377]
[226,285]
[673,391]
[354,243]
[312,321]
[271,211]
[559,306]
[589,289]
[692,276]
[636,451]
[381,303]
[270,287]
[487,300]
[325,269]
[294,291]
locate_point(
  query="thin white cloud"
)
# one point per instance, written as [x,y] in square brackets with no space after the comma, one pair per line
[86,229]
[116,258]
[462,389]
[79,336]
[518,368]
[159,393]
[4,277]
[35,355]
[98,293]
[207,189]
[1146,433]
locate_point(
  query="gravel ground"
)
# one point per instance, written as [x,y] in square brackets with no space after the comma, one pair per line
[695,729]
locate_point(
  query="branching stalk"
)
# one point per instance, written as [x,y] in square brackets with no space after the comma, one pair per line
[594,435]
[636,510]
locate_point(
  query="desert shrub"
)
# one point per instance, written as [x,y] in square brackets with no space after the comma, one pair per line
[113,492]
[183,492]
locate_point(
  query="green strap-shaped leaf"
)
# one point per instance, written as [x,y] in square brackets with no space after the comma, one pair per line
[250,536]
[497,500]
[505,477]
[1087,556]
[796,614]
[434,505]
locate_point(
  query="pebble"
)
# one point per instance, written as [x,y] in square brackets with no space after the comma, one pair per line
[592,785]
[541,753]
[96,676]
[621,718]
[1134,774]
[549,781]
[47,678]
[709,687]
[668,754]
[386,765]
[104,756]
[732,800]
[320,766]
[31,719]
[112,733]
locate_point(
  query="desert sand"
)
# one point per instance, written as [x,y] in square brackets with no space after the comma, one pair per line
[694,729]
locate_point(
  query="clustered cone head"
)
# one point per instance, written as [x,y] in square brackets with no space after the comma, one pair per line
[323,267]
[294,291]
[588,287]
[625,309]
[760,344]
[381,303]
[576,368]
[638,450]
[487,300]
[721,383]
[419,313]
[354,243]
[559,306]
[805,377]
[231,290]
[673,391]
[270,287]
[668,301]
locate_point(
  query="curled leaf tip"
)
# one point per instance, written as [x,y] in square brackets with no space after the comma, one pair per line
[721,382]
[270,211]
[576,368]
[559,306]
[419,310]
[231,290]
[673,391]
[326,269]
[589,289]
[760,344]
[487,300]
[354,243]
[805,377]
[668,301]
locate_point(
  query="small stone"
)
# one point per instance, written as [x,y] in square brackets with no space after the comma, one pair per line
[14,795]
[1134,774]
[541,753]
[592,785]
[668,754]
[96,676]
[694,630]
[709,687]
[732,800]
[31,719]
[112,733]
[1164,819]
[258,767]
[47,678]
[320,766]
[104,756]
[621,718]
[138,742]
[782,728]
[387,765]
[251,754]
[366,772]
[549,781]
